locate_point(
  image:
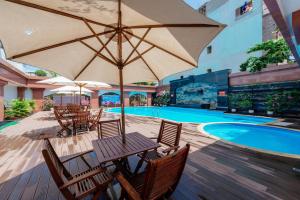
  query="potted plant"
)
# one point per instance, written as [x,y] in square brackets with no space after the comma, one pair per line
[233,100]
[245,103]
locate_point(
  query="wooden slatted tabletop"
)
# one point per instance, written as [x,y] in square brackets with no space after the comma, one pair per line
[112,148]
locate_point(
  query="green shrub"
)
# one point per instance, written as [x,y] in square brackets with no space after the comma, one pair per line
[162,99]
[40,73]
[278,102]
[233,100]
[245,101]
[31,104]
[19,108]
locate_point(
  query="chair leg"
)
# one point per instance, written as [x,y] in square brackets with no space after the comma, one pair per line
[97,195]
[112,191]
[138,166]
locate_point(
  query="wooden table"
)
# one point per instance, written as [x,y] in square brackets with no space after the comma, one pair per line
[112,148]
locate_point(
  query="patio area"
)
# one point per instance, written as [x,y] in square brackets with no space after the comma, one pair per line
[214,170]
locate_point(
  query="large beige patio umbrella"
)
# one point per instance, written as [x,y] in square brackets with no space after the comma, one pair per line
[113,41]
[60,80]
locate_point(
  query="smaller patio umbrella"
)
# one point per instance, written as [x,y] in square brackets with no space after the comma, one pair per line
[72,89]
[60,80]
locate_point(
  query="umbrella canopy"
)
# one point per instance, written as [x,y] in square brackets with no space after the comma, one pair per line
[114,41]
[60,80]
[71,89]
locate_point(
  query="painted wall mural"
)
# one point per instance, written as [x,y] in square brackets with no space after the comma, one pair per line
[197,93]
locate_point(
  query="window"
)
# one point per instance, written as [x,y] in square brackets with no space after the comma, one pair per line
[209,49]
[247,7]
[202,10]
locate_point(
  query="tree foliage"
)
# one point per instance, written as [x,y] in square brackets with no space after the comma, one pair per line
[274,51]
[40,73]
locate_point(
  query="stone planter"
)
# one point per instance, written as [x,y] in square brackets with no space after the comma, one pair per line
[270,113]
[250,111]
[233,110]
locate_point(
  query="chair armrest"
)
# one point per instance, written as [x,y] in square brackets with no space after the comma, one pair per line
[168,150]
[82,177]
[133,194]
[77,155]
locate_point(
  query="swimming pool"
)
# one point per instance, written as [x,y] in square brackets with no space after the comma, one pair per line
[266,138]
[191,115]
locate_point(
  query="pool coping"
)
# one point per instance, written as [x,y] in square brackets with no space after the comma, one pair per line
[253,149]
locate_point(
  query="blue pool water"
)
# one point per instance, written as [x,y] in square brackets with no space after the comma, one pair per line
[191,115]
[259,137]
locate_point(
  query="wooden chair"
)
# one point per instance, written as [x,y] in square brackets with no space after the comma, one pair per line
[94,120]
[81,121]
[169,135]
[64,122]
[109,128]
[159,180]
[93,182]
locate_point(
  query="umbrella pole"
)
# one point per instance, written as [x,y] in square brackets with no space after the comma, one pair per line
[122,103]
[120,66]
[79,95]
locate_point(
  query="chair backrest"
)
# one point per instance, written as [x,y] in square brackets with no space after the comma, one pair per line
[73,108]
[109,128]
[169,133]
[98,117]
[59,117]
[82,117]
[58,171]
[60,109]
[163,174]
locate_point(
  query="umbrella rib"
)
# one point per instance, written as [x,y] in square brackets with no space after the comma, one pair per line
[83,69]
[137,57]
[172,25]
[96,54]
[163,49]
[51,10]
[138,44]
[141,57]
[56,45]
[98,38]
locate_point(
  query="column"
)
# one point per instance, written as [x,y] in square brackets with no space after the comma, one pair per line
[2,84]
[21,92]
[126,99]
[95,99]
[38,96]
[149,99]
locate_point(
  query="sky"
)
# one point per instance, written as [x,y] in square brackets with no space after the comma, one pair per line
[193,3]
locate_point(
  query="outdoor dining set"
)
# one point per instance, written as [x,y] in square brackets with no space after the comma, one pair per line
[112,152]
[73,118]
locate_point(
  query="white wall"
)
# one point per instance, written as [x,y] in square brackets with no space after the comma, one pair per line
[28,93]
[10,93]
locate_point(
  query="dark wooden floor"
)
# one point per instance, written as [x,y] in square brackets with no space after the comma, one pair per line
[214,170]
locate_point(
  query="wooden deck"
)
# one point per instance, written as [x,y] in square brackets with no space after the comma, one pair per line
[214,170]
